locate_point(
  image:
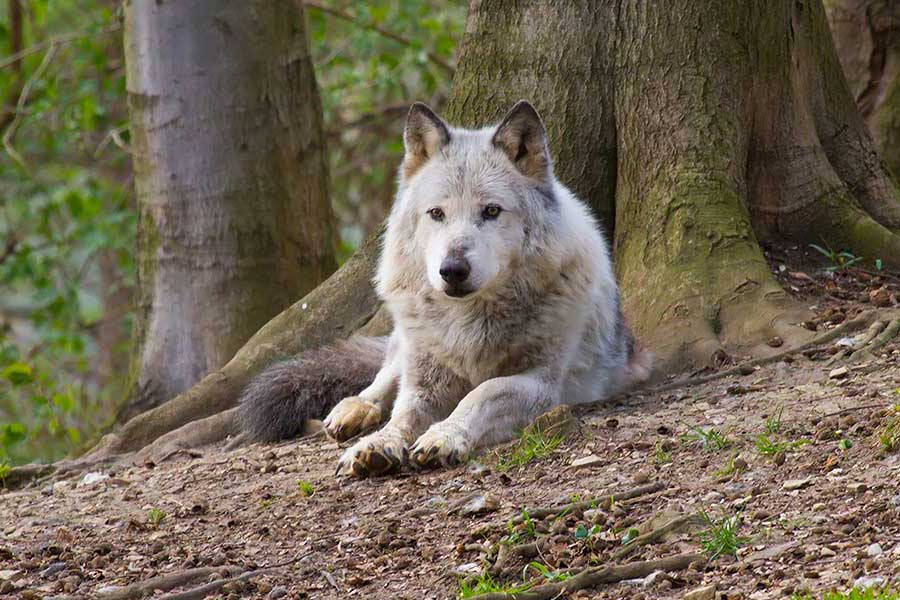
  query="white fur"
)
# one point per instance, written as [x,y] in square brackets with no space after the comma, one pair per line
[542,327]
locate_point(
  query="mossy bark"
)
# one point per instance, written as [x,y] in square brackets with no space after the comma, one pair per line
[231,178]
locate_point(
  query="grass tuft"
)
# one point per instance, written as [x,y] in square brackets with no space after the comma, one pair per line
[306,488]
[721,537]
[155,517]
[533,445]
[769,446]
[854,594]
[485,584]
[889,433]
[711,439]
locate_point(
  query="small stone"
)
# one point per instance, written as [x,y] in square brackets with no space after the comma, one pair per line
[874,550]
[880,297]
[839,373]
[796,484]
[858,487]
[702,593]
[866,582]
[478,504]
[590,460]
[279,591]
[775,341]
[642,476]
[53,569]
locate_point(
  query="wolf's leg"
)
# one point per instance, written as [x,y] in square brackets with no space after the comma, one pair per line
[491,413]
[358,414]
[428,393]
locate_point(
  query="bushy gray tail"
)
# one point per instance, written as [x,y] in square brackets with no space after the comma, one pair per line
[277,403]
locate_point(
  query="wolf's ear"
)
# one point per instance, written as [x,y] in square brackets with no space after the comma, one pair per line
[523,138]
[424,136]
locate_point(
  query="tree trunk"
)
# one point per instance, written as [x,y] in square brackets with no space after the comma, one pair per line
[231,177]
[703,128]
[867,38]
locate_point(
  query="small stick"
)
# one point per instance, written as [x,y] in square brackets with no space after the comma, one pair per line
[162,582]
[853,408]
[593,576]
[652,536]
[203,591]
[601,501]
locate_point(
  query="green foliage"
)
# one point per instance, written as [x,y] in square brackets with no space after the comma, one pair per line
[840,261]
[306,488]
[711,439]
[485,584]
[546,573]
[155,517]
[721,537]
[889,432]
[533,444]
[770,446]
[774,422]
[67,229]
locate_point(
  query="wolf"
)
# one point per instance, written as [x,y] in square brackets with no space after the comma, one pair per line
[504,305]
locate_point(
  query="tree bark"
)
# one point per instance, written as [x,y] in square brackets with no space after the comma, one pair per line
[705,127]
[867,38]
[232,183]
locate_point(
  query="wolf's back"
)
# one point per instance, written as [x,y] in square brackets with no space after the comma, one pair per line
[277,403]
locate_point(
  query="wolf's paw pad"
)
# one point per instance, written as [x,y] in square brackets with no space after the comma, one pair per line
[375,454]
[351,417]
[439,446]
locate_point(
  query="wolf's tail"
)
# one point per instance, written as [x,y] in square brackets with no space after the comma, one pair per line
[641,362]
[277,403]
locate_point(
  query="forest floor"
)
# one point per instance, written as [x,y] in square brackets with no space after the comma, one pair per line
[789,463]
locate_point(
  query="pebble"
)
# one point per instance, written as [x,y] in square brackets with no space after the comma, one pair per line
[874,550]
[868,581]
[839,373]
[587,461]
[796,484]
[53,569]
[703,593]
[279,591]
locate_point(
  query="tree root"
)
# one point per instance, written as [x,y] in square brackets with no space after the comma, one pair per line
[873,345]
[196,433]
[604,502]
[593,576]
[505,552]
[653,536]
[855,324]
[164,583]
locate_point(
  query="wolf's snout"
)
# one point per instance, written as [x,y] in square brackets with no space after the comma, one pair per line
[455,270]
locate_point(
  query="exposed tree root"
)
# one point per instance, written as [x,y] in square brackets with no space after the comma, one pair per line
[655,535]
[867,349]
[192,435]
[165,583]
[604,502]
[855,324]
[593,576]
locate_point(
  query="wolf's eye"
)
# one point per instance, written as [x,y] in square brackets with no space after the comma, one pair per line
[436,213]
[491,211]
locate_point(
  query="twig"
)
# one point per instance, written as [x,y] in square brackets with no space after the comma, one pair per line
[844,411]
[345,16]
[652,536]
[593,576]
[20,106]
[202,591]
[604,501]
[163,583]
[852,325]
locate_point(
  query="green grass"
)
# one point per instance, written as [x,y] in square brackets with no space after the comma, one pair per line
[661,455]
[546,572]
[485,584]
[721,537]
[533,445]
[840,261]
[854,594]
[306,488]
[155,517]
[519,533]
[889,433]
[774,422]
[711,439]
[769,446]
[732,467]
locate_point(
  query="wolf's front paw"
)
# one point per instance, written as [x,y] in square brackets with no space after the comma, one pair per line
[351,417]
[442,444]
[381,452]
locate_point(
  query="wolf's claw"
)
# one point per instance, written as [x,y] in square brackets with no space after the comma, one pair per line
[440,445]
[375,454]
[351,417]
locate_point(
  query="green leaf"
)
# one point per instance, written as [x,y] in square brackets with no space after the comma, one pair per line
[18,374]
[581,533]
[630,535]
[11,434]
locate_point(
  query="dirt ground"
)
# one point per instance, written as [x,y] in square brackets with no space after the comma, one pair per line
[818,506]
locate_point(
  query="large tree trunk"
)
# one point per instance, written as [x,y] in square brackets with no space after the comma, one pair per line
[867,38]
[704,128]
[232,182]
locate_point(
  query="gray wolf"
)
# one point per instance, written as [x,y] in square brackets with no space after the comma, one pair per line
[504,305]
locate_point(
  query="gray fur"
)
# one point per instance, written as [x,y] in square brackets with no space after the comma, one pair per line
[277,403]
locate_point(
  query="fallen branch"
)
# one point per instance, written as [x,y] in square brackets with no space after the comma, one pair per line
[203,591]
[163,583]
[859,322]
[653,536]
[593,576]
[604,502]
[889,333]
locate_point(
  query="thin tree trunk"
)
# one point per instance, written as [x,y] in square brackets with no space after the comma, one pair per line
[231,178]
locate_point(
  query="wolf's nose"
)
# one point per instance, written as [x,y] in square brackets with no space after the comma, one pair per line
[454,270]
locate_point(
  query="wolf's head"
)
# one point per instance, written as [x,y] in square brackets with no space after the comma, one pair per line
[471,204]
